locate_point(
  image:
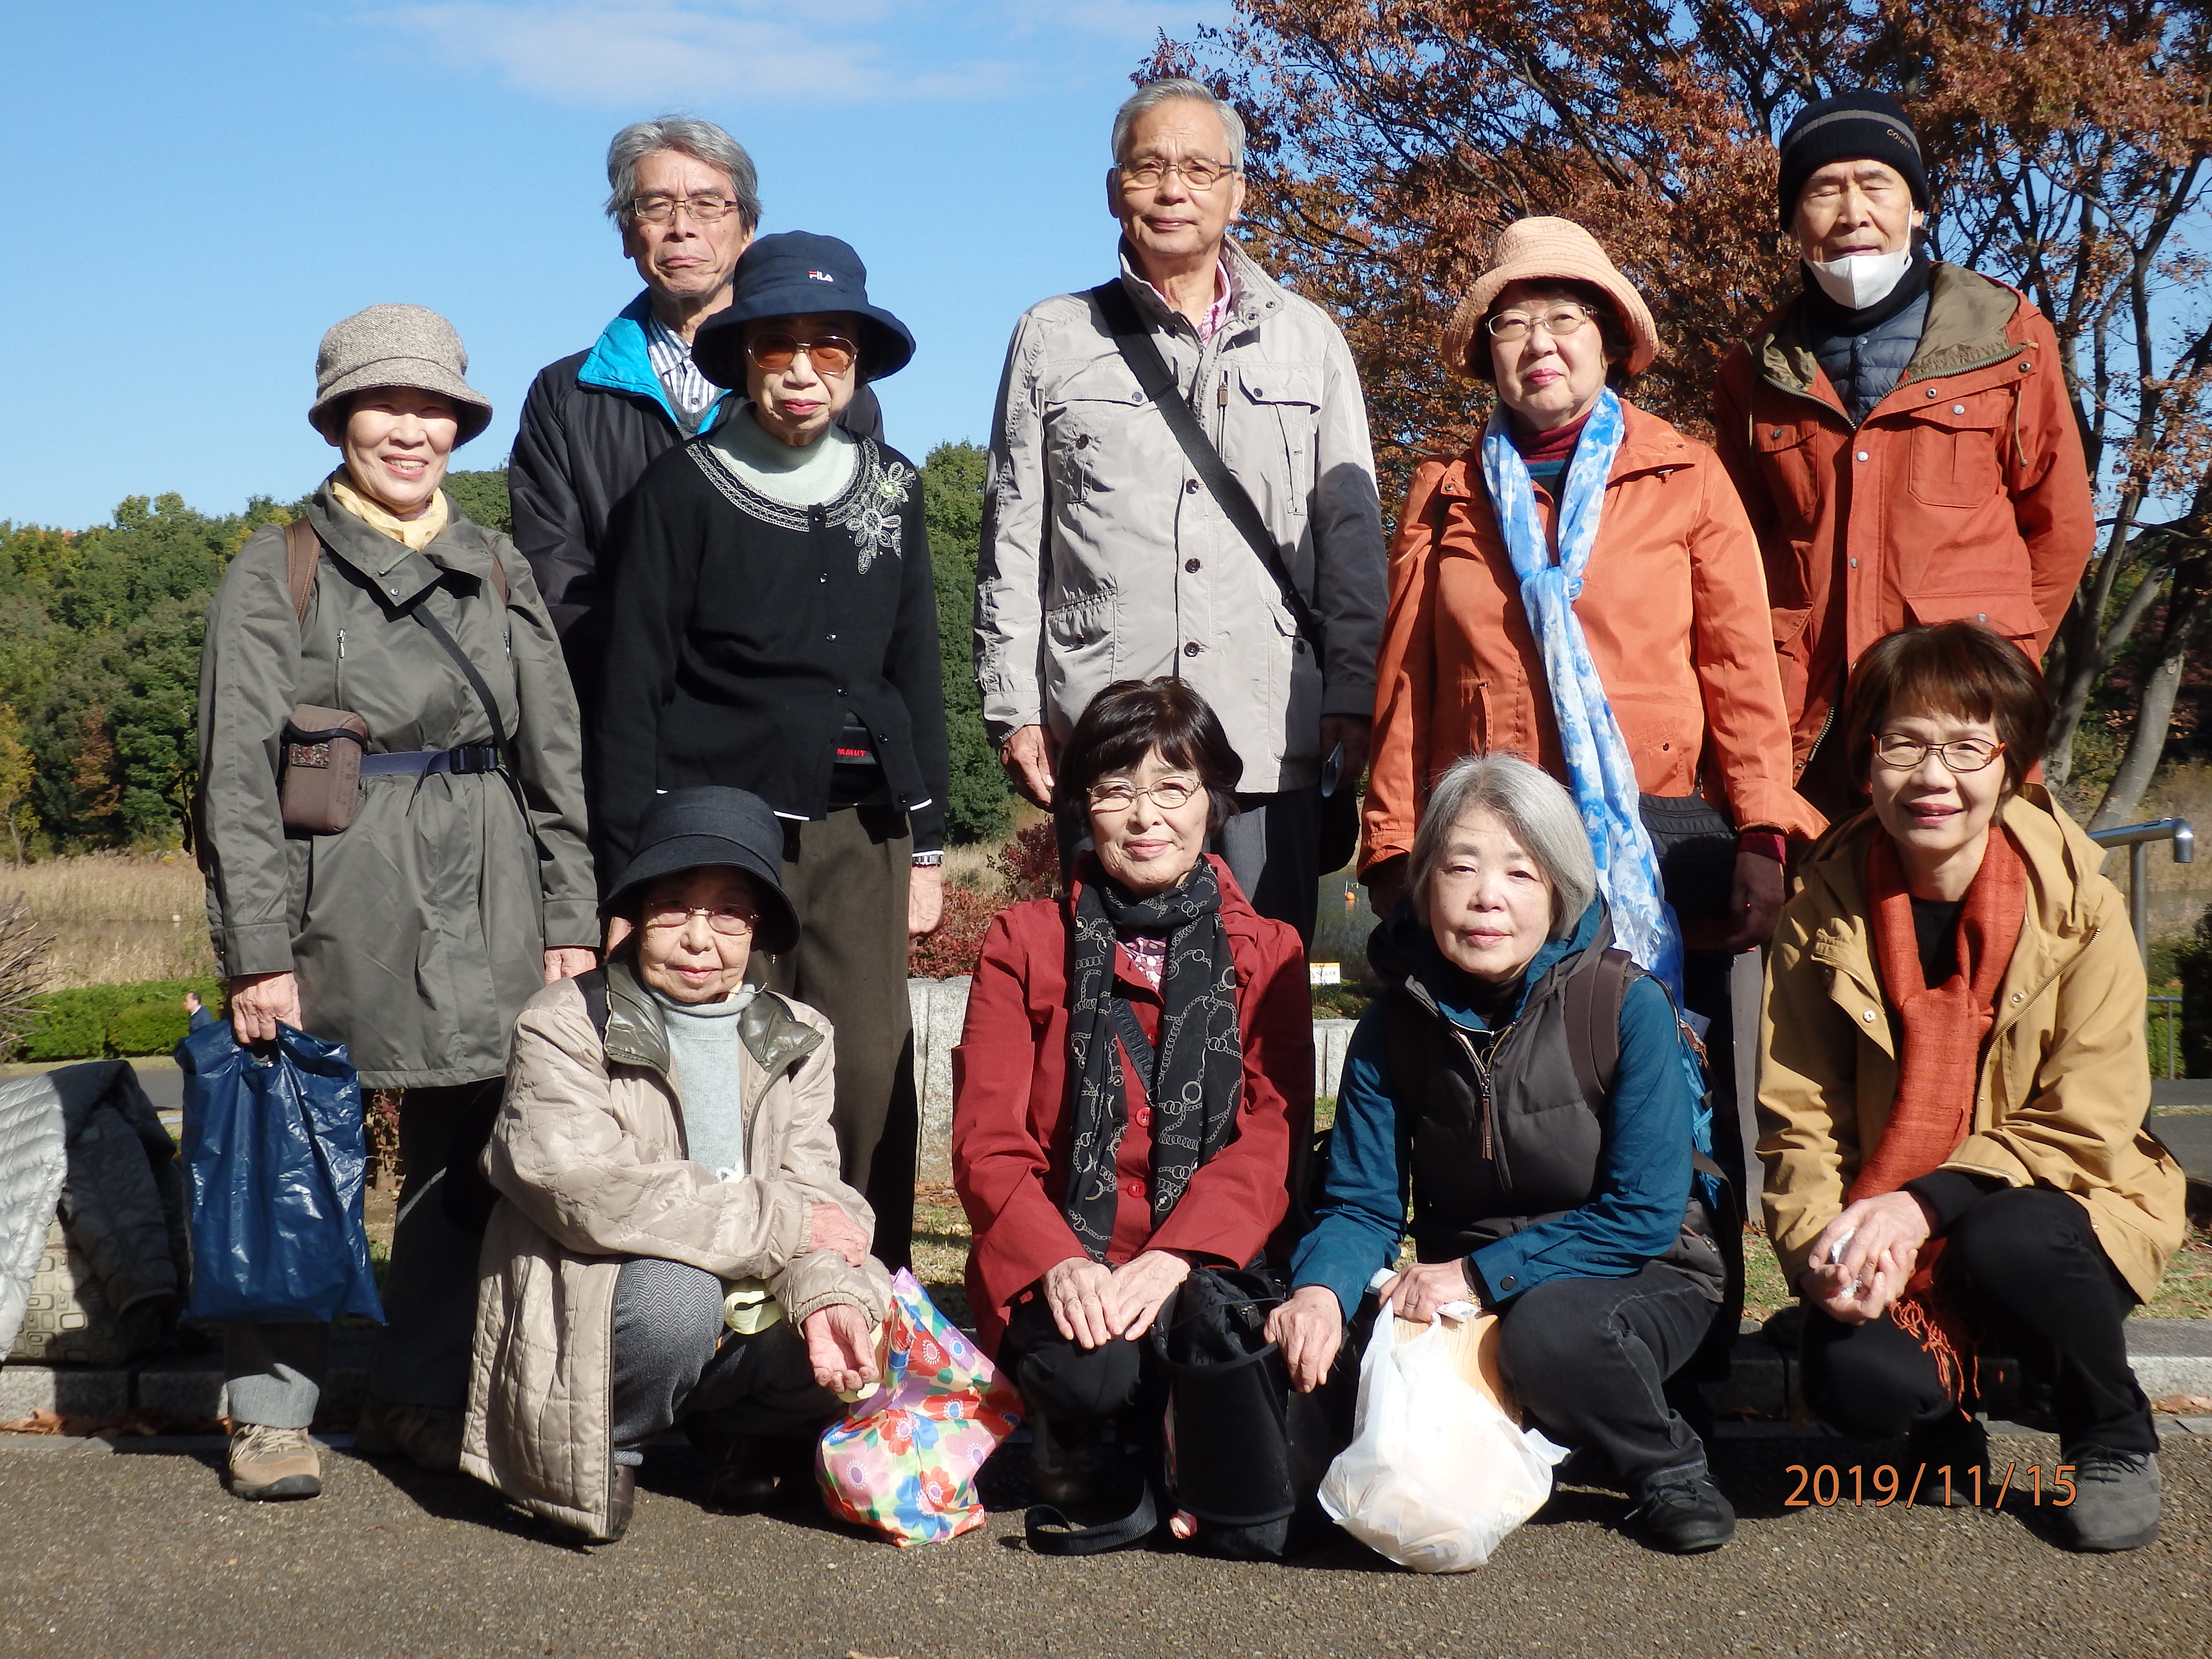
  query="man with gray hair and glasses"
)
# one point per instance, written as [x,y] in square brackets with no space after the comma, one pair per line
[684,194]
[1226,530]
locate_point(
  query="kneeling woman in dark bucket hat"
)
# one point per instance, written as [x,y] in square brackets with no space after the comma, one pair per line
[775,629]
[674,1245]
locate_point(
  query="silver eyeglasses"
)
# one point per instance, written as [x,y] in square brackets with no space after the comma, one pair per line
[1513,326]
[1198,173]
[724,919]
[1167,795]
[660,210]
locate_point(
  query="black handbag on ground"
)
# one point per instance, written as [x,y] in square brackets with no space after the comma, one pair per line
[1696,845]
[1339,811]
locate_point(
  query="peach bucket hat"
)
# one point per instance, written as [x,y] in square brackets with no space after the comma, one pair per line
[1528,249]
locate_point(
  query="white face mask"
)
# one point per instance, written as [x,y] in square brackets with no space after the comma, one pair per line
[1860,280]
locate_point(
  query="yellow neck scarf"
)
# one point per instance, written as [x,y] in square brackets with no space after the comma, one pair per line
[416,534]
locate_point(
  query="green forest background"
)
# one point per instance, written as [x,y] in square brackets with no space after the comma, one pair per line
[99,642]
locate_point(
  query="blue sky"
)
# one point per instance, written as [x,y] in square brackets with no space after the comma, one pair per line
[195,193]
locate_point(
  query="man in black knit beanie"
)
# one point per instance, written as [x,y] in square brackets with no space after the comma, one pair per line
[1900,431]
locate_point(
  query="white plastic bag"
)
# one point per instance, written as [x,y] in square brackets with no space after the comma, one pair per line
[1436,1474]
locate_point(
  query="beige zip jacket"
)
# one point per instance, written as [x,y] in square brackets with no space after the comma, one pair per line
[588,1154]
[1105,557]
[2065,1076]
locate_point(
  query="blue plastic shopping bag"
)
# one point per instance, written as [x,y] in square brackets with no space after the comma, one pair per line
[274,1156]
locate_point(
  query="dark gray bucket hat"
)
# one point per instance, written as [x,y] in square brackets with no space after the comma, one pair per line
[693,829]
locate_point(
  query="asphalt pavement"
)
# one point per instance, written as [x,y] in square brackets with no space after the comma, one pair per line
[141,1555]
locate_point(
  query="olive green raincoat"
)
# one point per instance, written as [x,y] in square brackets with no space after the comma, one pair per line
[418,933]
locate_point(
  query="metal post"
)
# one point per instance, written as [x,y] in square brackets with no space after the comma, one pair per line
[2137,839]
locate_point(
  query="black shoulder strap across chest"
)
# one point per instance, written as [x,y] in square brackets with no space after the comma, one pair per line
[594,986]
[1142,353]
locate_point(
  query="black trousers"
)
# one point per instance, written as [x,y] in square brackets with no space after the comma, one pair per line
[2027,1263]
[1588,1360]
[675,1361]
[1077,1387]
[430,1289]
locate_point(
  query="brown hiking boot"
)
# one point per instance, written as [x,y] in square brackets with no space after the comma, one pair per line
[269,1463]
[428,1436]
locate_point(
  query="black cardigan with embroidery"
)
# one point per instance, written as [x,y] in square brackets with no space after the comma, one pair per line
[745,629]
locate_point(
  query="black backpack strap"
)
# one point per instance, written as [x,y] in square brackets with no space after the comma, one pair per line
[593,984]
[1049,1533]
[1594,999]
[1142,353]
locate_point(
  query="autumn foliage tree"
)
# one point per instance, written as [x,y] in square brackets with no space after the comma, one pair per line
[2066,141]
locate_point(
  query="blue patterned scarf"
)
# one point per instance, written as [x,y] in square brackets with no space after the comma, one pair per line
[1600,774]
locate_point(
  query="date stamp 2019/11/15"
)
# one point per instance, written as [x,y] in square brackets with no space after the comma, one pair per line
[1824,1485]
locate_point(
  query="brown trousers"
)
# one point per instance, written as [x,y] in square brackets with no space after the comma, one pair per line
[848,875]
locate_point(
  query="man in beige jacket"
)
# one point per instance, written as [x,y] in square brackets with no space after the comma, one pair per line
[1106,557]
[674,1245]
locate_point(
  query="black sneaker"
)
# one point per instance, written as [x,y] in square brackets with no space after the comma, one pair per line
[2115,1504]
[1683,1514]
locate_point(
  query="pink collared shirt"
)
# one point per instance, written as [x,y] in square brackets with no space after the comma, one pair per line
[1225,296]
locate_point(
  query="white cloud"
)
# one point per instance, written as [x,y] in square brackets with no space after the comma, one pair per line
[621,52]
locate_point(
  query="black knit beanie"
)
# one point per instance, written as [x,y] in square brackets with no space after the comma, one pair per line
[1859,126]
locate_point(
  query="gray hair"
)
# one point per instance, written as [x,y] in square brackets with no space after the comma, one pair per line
[1540,814]
[1159,92]
[702,141]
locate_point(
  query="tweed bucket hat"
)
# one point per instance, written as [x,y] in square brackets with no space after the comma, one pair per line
[1528,250]
[397,345]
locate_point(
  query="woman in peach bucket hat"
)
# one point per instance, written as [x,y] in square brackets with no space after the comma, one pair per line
[1580,586]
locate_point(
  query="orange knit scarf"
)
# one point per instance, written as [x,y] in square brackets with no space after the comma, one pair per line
[1939,1060]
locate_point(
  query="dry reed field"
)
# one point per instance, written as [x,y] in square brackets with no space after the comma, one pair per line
[117,917]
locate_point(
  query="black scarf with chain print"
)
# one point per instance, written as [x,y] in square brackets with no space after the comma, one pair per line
[1196,1074]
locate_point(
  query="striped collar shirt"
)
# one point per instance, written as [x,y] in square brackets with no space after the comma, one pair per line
[692,391]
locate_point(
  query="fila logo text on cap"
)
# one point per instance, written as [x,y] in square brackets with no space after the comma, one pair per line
[821,277]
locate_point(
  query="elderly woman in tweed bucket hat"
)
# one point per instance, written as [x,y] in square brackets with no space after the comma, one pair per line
[416,912]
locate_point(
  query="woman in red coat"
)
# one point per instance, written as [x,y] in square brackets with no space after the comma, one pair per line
[1137,1061]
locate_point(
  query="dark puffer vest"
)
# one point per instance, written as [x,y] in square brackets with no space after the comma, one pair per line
[1503,1130]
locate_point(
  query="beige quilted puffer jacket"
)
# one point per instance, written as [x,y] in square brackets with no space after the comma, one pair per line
[588,1153]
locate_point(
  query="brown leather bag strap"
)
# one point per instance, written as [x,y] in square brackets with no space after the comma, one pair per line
[303,556]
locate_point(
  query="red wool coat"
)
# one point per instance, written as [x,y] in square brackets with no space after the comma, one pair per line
[1011,1128]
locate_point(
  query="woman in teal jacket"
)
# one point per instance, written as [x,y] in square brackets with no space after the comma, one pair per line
[1549,1180]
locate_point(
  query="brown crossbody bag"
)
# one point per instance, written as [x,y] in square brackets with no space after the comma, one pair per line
[319,767]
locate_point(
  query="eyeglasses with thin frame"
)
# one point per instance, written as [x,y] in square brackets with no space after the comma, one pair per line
[661,210]
[1197,172]
[1511,325]
[1167,795]
[1960,755]
[831,354]
[726,920]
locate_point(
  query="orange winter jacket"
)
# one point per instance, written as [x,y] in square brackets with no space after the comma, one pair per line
[1964,495]
[1674,609]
